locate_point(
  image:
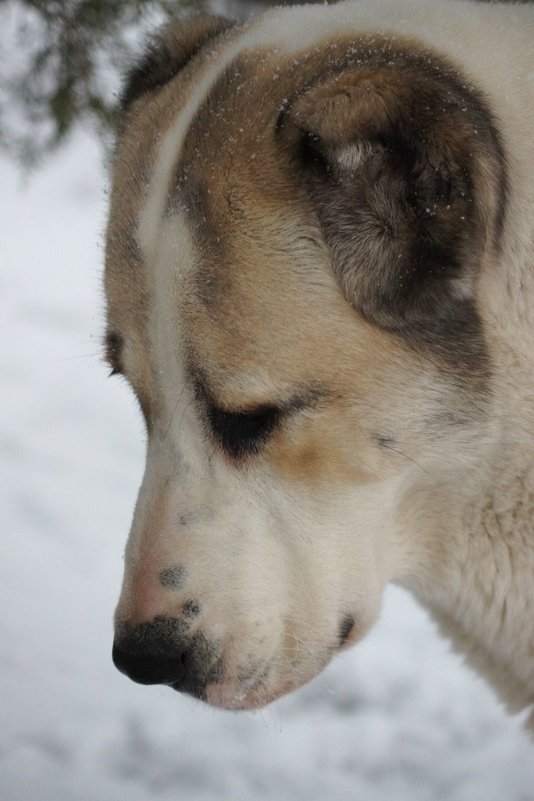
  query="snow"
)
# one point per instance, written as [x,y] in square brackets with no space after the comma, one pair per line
[399,717]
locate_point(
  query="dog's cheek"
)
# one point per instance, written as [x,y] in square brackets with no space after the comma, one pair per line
[316,458]
[333,449]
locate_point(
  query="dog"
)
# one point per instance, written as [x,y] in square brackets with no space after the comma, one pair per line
[320,287]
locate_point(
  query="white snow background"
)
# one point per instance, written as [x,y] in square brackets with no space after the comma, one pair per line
[399,718]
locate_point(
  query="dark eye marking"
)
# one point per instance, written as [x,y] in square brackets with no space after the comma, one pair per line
[243,433]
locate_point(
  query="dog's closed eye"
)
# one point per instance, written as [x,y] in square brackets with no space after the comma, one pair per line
[243,433]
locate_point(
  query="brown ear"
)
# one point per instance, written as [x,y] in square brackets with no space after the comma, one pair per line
[402,170]
[168,53]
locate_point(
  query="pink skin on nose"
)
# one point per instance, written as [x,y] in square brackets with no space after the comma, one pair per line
[148,590]
[152,575]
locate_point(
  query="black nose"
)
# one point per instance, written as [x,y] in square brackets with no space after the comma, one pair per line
[164,651]
[147,668]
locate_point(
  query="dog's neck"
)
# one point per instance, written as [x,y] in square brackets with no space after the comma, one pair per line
[475,564]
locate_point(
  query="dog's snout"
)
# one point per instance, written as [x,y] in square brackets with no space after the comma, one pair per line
[150,668]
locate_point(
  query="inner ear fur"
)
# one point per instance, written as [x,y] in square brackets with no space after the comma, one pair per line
[168,52]
[403,171]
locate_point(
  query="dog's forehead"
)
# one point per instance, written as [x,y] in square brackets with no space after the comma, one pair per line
[208,209]
[191,178]
[259,308]
[209,135]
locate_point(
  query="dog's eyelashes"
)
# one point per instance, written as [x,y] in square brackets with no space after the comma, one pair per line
[243,433]
[113,352]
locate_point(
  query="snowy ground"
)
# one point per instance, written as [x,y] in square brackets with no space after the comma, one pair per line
[397,719]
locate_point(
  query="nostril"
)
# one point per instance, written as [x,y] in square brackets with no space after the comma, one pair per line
[149,668]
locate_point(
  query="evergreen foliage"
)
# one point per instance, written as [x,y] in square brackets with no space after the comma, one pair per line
[61,62]
[61,65]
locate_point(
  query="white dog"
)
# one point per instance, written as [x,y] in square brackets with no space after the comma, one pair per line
[320,282]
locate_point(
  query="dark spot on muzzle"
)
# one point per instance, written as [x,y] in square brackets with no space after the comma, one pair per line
[191,609]
[347,624]
[173,577]
[163,652]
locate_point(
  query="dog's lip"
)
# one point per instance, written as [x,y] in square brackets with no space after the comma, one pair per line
[228,695]
[195,692]
[222,698]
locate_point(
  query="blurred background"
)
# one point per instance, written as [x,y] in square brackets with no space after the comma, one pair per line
[399,718]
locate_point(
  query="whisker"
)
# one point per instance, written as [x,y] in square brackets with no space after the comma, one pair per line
[171,421]
[96,355]
[410,459]
[184,410]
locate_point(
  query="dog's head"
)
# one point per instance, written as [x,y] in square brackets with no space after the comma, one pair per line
[292,261]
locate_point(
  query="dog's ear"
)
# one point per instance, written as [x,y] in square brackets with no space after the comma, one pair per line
[168,53]
[401,171]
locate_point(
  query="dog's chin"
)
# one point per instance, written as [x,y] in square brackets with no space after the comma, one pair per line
[231,696]
[228,696]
